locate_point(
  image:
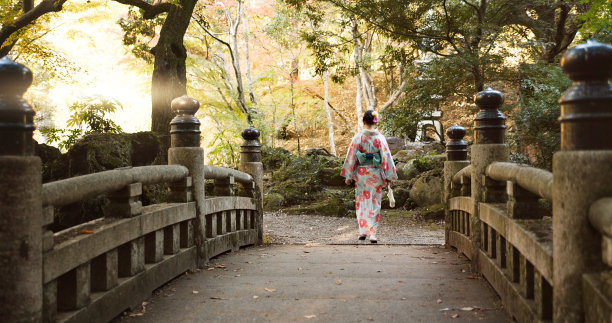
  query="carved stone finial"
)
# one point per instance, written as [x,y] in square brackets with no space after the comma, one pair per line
[586,107]
[489,124]
[250,133]
[250,148]
[16,115]
[185,127]
[456,147]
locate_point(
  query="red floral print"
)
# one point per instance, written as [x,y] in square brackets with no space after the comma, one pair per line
[363,223]
[343,172]
[376,143]
[361,170]
[366,194]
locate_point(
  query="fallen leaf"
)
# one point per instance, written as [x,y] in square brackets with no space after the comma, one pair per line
[439,301]
[255,297]
[136,314]
[310,316]
[217,297]
[306,251]
[471,277]
[445,309]
[370,319]
[434,262]
[338,282]
[220,266]
[403,298]
[249,262]
[467,308]
[195,292]
[300,268]
[271,290]
[237,275]
[455,316]
[86,232]
[210,268]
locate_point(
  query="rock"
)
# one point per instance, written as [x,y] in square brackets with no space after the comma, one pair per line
[273,201]
[317,152]
[429,162]
[145,147]
[433,212]
[400,194]
[407,171]
[273,158]
[427,189]
[403,156]
[99,152]
[331,206]
[434,147]
[54,164]
[331,177]
[395,143]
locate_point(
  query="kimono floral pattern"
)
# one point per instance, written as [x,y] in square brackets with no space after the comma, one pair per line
[369,179]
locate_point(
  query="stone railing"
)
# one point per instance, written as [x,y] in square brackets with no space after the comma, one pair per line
[93,271]
[544,265]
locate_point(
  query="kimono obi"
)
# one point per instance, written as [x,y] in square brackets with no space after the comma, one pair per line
[368,159]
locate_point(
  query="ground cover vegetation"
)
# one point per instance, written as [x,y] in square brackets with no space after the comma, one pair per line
[303,72]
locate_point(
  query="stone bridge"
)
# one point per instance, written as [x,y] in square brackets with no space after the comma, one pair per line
[544,263]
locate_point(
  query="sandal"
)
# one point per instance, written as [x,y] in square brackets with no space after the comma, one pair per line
[362,237]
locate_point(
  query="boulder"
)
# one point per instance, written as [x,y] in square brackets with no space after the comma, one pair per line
[331,177]
[400,194]
[145,147]
[317,152]
[273,201]
[99,152]
[407,171]
[403,156]
[395,143]
[331,203]
[427,189]
[54,164]
[434,147]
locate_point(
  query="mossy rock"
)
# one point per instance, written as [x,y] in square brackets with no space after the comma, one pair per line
[400,194]
[331,177]
[434,212]
[274,158]
[273,201]
[404,156]
[145,147]
[99,152]
[54,164]
[328,207]
[406,171]
[427,188]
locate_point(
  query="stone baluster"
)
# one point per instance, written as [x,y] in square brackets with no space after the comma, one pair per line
[250,162]
[456,159]
[582,173]
[489,146]
[20,202]
[185,150]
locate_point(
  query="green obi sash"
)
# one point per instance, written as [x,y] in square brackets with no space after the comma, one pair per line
[368,159]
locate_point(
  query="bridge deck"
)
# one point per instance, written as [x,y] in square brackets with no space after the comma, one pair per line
[331,283]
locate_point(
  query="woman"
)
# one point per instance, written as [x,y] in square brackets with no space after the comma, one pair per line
[369,163]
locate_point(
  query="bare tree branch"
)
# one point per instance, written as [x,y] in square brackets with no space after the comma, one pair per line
[149,11]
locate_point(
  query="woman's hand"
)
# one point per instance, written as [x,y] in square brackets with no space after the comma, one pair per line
[347,181]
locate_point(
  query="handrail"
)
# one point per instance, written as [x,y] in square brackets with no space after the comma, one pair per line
[464,172]
[600,215]
[216,172]
[534,180]
[77,188]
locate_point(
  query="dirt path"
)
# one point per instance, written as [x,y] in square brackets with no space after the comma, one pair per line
[393,229]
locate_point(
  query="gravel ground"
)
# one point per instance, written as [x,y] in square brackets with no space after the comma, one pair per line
[283,228]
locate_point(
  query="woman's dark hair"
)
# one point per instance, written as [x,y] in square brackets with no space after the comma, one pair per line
[370,118]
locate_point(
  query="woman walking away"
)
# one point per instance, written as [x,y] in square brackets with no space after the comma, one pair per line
[369,163]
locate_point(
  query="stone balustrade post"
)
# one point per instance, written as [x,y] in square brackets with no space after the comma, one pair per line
[185,150]
[21,218]
[250,162]
[489,146]
[582,173]
[456,159]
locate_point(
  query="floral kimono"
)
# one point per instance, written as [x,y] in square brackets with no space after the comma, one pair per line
[369,163]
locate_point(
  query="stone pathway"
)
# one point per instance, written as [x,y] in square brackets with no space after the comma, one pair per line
[326,283]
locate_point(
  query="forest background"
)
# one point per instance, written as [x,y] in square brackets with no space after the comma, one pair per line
[300,71]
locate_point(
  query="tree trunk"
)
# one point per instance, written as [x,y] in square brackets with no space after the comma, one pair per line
[330,124]
[169,72]
[247,58]
[297,132]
